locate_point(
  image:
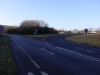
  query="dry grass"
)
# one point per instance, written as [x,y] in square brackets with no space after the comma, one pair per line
[89,39]
[7,65]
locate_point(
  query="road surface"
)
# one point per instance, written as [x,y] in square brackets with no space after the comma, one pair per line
[54,56]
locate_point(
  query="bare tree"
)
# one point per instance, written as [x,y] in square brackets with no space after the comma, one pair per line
[98,30]
[33,23]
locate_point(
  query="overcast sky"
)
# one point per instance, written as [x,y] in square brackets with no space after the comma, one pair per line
[63,14]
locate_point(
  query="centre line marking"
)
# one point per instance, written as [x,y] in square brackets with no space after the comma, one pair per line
[30,73]
[43,49]
[47,51]
[50,52]
[43,73]
[47,43]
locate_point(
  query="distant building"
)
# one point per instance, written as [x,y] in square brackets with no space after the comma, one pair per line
[1,28]
[93,32]
[4,28]
[61,31]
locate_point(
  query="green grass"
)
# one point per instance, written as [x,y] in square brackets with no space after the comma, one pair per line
[89,39]
[7,64]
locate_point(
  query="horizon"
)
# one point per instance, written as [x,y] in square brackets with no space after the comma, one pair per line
[59,14]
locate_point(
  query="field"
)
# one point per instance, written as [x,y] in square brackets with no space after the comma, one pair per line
[89,39]
[7,64]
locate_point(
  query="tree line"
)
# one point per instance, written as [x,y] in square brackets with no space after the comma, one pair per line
[30,27]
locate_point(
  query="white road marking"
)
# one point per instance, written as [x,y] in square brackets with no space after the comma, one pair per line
[91,51]
[80,54]
[85,49]
[43,49]
[46,43]
[29,57]
[50,52]
[36,65]
[59,47]
[43,73]
[30,73]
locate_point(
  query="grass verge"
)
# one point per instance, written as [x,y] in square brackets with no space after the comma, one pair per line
[89,39]
[7,64]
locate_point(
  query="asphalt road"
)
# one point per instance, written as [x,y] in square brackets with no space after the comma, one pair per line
[54,56]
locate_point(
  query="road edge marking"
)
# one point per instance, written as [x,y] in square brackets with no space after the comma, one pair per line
[29,57]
